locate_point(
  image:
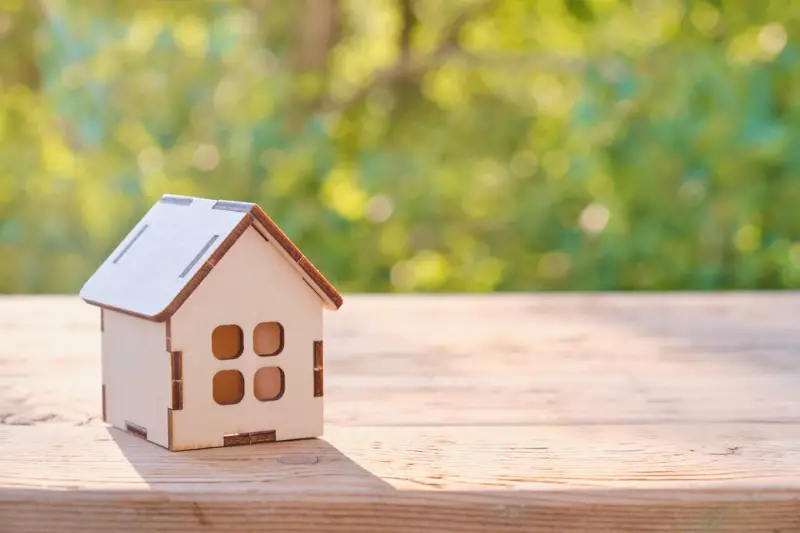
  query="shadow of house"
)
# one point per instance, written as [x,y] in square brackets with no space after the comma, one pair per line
[279,466]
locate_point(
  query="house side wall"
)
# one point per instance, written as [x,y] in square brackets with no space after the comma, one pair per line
[136,375]
[251,284]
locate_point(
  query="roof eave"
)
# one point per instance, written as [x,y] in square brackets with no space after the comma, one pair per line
[330,296]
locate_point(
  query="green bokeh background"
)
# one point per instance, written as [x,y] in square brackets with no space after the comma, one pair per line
[414,145]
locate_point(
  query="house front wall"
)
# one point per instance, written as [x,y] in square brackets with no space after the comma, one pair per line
[136,374]
[253,283]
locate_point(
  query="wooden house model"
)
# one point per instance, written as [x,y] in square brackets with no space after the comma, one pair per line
[211,322]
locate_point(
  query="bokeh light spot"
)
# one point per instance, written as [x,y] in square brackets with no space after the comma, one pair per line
[379,208]
[594,218]
[206,157]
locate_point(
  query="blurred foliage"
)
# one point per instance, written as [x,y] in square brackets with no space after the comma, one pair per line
[414,144]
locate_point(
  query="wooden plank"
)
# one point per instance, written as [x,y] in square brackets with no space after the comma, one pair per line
[521,360]
[513,413]
[697,478]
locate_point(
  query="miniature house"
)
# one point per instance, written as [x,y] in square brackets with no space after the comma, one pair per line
[211,322]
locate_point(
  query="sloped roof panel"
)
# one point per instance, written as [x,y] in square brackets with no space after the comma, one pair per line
[159,256]
[168,253]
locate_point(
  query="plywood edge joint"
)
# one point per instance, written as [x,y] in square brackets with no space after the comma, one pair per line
[105,417]
[170,429]
[256,437]
[177,395]
[319,386]
[176,365]
[135,429]
[262,436]
[176,371]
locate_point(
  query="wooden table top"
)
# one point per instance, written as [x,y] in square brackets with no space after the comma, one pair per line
[443,413]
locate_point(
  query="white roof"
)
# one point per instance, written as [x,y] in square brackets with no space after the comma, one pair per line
[170,251]
[155,261]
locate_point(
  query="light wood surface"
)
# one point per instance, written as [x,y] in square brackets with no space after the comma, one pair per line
[250,284]
[443,413]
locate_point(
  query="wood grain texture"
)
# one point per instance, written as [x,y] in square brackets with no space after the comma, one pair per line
[448,413]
